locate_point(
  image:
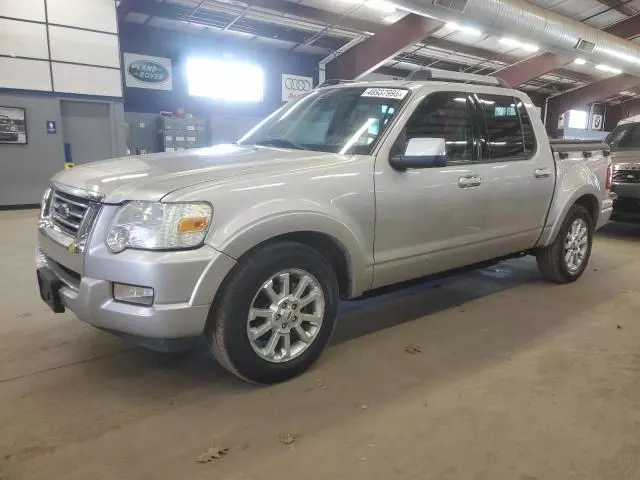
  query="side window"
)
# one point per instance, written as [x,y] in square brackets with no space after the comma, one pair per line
[504,139]
[528,135]
[444,115]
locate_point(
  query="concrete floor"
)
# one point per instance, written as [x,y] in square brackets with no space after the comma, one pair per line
[516,379]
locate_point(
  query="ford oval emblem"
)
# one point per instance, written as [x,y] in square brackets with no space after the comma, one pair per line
[148,71]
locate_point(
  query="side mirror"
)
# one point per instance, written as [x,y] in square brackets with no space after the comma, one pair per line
[421,153]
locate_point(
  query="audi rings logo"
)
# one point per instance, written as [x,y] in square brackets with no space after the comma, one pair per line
[297,85]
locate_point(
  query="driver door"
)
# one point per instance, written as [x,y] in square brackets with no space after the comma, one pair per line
[431,219]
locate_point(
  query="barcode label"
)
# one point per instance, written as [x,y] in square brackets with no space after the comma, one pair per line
[395,93]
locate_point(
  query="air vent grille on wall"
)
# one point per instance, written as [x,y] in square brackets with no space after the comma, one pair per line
[585,45]
[455,5]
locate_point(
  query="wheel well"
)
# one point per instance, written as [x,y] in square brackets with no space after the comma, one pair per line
[590,202]
[326,245]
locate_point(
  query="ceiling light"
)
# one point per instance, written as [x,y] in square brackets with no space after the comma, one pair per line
[627,93]
[381,6]
[510,42]
[607,68]
[579,61]
[464,29]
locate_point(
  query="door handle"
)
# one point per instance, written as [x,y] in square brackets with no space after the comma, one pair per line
[542,173]
[469,181]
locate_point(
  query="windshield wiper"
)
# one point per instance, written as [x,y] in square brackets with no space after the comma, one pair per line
[280,142]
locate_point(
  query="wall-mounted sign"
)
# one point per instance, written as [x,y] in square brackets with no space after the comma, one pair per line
[294,85]
[51,127]
[143,71]
[596,122]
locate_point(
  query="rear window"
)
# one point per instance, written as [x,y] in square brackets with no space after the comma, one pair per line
[624,137]
[504,131]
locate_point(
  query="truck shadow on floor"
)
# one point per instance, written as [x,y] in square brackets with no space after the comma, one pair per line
[387,309]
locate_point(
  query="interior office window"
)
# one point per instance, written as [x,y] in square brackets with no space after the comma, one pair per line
[225,80]
[444,115]
[503,129]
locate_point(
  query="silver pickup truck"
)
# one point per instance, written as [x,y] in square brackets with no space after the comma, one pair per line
[348,189]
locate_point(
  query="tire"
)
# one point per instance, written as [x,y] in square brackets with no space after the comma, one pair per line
[552,260]
[244,292]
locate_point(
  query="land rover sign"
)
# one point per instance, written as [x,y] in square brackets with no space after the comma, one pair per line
[142,71]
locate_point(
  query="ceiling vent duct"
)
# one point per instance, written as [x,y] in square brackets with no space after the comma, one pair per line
[532,25]
[455,5]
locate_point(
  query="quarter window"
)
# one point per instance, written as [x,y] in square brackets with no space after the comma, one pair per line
[444,115]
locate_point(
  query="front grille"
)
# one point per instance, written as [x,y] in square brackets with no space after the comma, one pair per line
[626,176]
[71,212]
[68,211]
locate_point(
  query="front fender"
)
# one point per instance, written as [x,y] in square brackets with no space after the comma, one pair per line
[255,226]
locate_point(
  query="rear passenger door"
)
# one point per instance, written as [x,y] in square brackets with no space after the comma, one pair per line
[519,176]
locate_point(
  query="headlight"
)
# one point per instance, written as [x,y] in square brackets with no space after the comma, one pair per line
[159,226]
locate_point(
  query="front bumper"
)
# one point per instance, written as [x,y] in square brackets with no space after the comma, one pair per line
[184,282]
[626,207]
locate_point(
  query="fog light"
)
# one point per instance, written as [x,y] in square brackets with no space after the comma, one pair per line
[133,294]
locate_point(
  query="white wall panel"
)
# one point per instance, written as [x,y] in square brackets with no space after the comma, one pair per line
[92,14]
[25,9]
[86,80]
[25,74]
[23,39]
[80,46]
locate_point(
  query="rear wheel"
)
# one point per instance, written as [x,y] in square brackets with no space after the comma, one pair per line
[275,314]
[567,257]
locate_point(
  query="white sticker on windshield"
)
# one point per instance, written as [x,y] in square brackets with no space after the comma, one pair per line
[395,93]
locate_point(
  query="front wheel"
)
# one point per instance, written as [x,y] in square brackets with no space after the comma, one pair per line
[567,257]
[275,313]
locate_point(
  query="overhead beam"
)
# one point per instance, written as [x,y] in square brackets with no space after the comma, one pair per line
[583,96]
[370,54]
[533,67]
[618,6]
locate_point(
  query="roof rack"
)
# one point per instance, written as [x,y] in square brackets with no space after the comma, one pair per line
[436,74]
[333,81]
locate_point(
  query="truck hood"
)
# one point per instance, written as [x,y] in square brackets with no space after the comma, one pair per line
[625,158]
[151,177]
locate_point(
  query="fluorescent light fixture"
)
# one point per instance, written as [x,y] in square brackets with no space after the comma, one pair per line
[607,68]
[579,61]
[627,93]
[577,119]
[380,5]
[225,80]
[464,29]
[512,42]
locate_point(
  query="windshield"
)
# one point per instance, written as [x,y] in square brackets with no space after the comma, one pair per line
[624,137]
[338,120]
